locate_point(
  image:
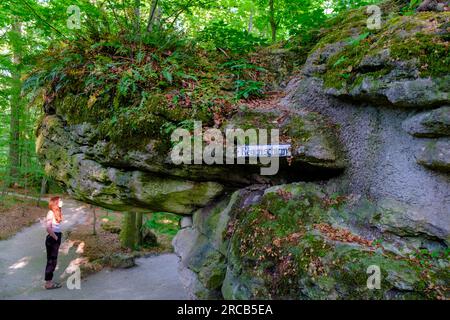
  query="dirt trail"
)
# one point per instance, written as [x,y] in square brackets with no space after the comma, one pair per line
[22,263]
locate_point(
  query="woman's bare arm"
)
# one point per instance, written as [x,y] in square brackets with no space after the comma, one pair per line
[50,229]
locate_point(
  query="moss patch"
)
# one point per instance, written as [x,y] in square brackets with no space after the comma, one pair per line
[420,39]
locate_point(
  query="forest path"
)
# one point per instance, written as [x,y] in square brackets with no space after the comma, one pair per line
[23,258]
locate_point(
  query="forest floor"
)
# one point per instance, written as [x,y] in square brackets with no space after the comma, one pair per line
[22,263]
[17,213]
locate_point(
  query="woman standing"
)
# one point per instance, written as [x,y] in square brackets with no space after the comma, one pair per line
[53,240]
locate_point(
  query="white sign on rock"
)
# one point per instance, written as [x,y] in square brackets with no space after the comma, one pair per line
[269,151]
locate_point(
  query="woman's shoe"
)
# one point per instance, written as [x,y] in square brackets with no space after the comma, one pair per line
[53,286]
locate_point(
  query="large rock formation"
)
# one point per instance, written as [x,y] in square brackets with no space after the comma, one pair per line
[306,241]
[299,241]
[368,122]
[370,96]
[114,176]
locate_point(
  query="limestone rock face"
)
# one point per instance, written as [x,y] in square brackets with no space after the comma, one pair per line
[403,64]
[121,178]
[114,187]
[415,93]
[203,247]
[431,124]
[388,208]
[297,241]
[436,155]
[312,137]
[375,90]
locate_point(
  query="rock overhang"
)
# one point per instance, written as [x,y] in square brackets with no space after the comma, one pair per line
[106,174]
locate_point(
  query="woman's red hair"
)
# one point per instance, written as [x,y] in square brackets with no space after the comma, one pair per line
[54,206]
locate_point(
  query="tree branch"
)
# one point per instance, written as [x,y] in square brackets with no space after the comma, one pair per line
[37,15]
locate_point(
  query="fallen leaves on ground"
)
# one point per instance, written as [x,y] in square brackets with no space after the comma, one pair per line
[270,102]
[342,235]
[266,214]
[284,194]
[20,215]
[329,202]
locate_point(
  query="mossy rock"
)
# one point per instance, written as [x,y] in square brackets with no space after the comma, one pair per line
[208,263]
[119,261]
[149,239]
[404,63]
[278,245]
[113,187]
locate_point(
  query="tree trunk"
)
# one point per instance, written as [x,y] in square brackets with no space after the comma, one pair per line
[152,16]
[250,21]
[158,15]
[128,234]
[139,218]
[44,189]
[15,103]
[94,223]
[131,233]
[273,24]
[137,16]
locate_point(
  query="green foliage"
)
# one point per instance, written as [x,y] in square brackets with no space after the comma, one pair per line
[426,257]
[245,85]
[341,59]
[9,201]
[249,88]
[163,223]
[131,97]
[410,9]
[220,35]
[355,41]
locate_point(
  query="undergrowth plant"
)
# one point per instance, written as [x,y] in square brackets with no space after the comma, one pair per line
[141,89]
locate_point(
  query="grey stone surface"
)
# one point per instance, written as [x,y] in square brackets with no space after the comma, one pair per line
[417,93]
[435,155]
[116,187]
[381,153]
[432,124]
[186,222]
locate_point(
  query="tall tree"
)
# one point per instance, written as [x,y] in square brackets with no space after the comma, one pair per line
[250,21]
[16,103]
[137,16]
[131,233]
[272,20]
[152,15]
